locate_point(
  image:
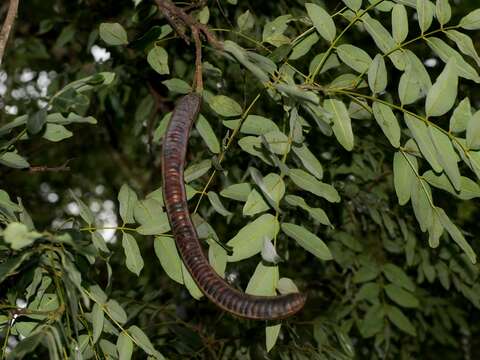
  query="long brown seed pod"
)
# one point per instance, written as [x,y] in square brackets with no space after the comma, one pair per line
[210,283]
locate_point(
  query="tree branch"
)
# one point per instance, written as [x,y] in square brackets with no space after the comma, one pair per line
[7,26]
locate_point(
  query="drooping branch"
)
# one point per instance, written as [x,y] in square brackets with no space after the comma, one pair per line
[180,21]
[7,26]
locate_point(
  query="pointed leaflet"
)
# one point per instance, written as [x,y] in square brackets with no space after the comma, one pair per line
[355,5]
[217,204]
[399,23]
[127,199]
[446,155]
[134,260]
[469,189]
[377,75]
[442,95]
[456,235]
[249,240]
[464,44]
[354,57]
[225,106]
[317,214]
[167,253]
[304,46]
[307,182]
[237,192]
[208,135]
[421,135]
[190,284]
[404,175]
[425,14]
[401,297]
[124,346]
[471,21]
[98,317]
[258,125]
[142,340]
[271,336]
[461,116]
[309,241]
[397,275]
[388,122]
[398,318]
[435,231]
[309,161]
[443,11]
[342,124]
[473,132]
[421,203]
[322,21]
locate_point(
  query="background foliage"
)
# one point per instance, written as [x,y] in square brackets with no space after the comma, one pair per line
[339,137]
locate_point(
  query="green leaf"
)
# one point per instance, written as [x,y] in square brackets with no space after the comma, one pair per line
[56,133]
[239,192]
[435,231]
[442,95]
[304,46]
[273,189]
[143,341]
[397,276]
[417,68]
[273,31]
[409,88]
[425,14]
[217,256]
[307,240]
[355,5]
[190,284]
[471,21]
[456,235]
[127,199]
[225,106]
[307,182]
[115,311]
[97,322]
[446,155]
[217,204]
[286,286]
[36,121]
[27,345]
[473,132]
[158,59]
[342,124]
[464,44]
[263,281]
[354,57]
[124,346]
[443,11]
[167,253]
[368,291]
[258,125]
[278,141]
[249,240]
[208,135]
[196,171]
[245,21]
[422,138]
[446,53]
[396,316]
[384,41]
[469,189]
[401,297]
[298,93]
[377,75]
[366,273]
[155,226]
[309,161]
[388,123]
[271,336]
[134,260]
[316,213]
[373,322]
[177,86]
[13,160]
[461,116]
[113,34]
[322,21]
[18,236]
[421,203]
[85,212]
[399,23]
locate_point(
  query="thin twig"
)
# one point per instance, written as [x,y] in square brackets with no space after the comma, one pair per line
[179,19]
[44,168]
[7,26]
